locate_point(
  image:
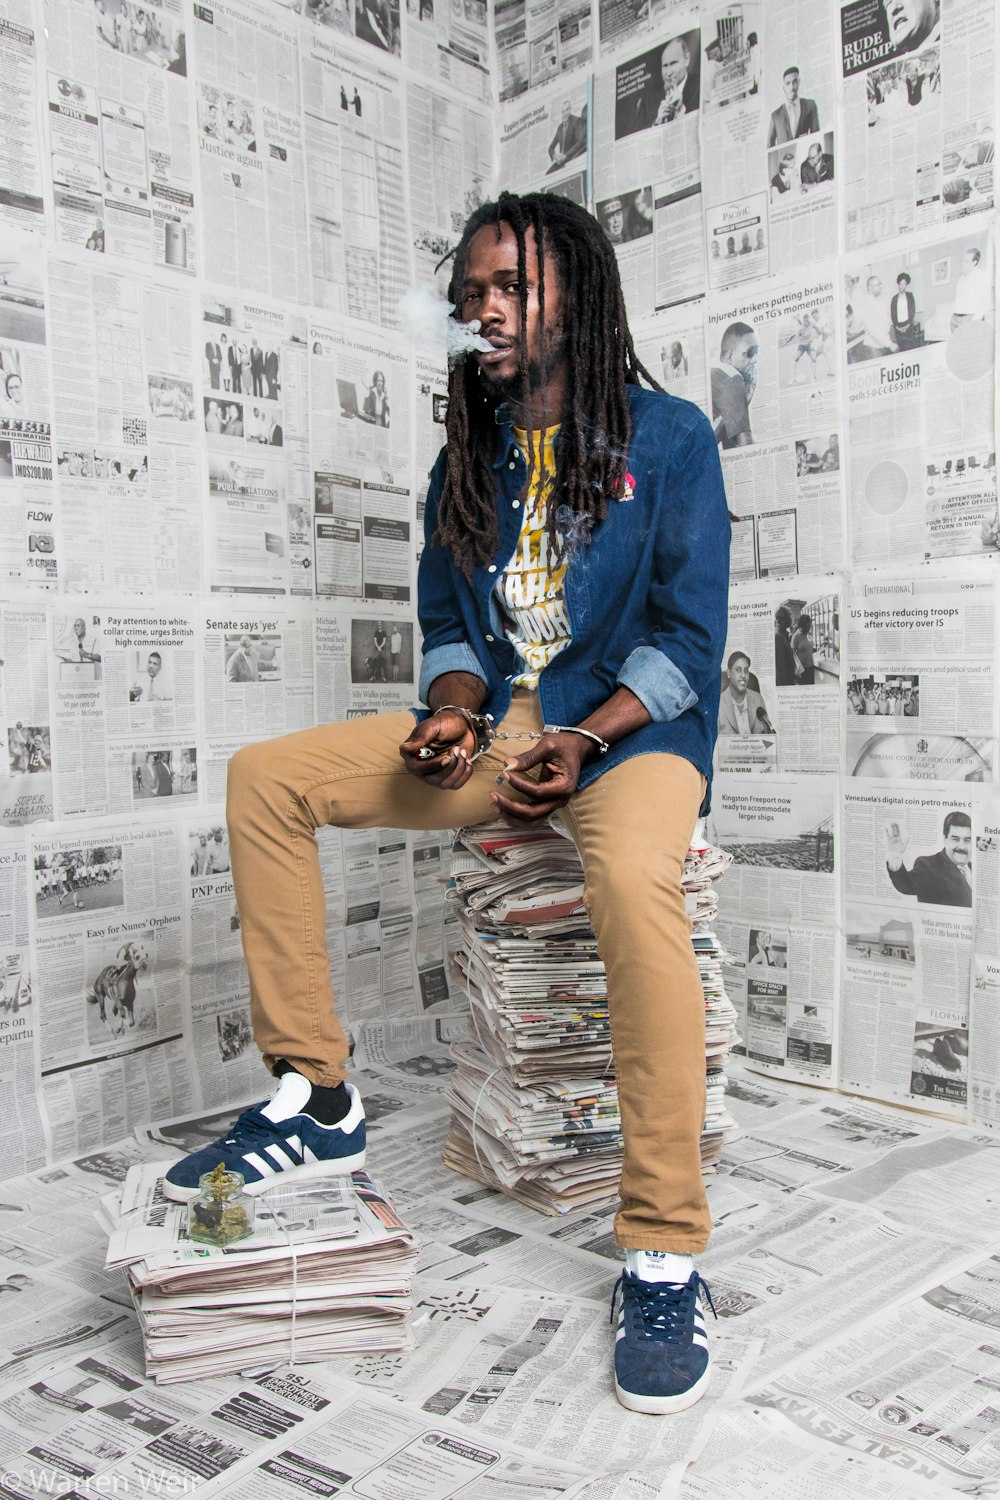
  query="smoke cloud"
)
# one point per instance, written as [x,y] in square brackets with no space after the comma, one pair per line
[428,320]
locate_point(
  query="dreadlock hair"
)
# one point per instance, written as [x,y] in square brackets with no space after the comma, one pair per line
[601,363]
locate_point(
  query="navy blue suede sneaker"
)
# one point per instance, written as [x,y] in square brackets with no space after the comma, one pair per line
[270,1152]
[661,1348]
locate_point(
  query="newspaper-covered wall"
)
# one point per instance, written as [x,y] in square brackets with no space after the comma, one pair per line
[215,435]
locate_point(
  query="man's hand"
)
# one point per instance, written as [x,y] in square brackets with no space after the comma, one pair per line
[896,842]
[561,757]
[452,743]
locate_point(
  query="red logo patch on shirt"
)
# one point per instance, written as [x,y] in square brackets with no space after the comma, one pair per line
[628,488]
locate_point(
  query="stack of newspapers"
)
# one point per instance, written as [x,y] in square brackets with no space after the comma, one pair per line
[533,1096]
[327,1270]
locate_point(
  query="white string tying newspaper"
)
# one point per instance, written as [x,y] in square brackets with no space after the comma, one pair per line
[262,1203]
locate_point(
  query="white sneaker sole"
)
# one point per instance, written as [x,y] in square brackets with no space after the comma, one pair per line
[313,1171]
[663,1406]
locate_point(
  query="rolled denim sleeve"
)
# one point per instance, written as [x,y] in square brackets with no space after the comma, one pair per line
[689,596]
[446,645]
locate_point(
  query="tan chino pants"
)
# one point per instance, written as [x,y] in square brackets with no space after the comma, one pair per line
[632,827]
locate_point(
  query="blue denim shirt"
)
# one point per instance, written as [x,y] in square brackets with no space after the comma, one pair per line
[647,599]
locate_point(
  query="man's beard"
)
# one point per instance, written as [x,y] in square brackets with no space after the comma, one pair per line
[515,388]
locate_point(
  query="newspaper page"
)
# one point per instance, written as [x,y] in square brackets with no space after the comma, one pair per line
[26,770]
[430,408]
[22,191]
[768,136]
[647,171]
[622,21]
[126,458]
[781,679]
[535,43]
[250,148]
[458,139]
[782,839]
[984,999]
[254,412]
[359,248]
[28,530]
[776,411]
[545,141]
[911,1385]
[376,25]
[257,682]
[782,980]
[909,888]
[919,117]
[360,423]
[449,45]
[124,707]
[365,663]
[24,1133]
[672,347]
[109,954]
[118,116]
[918,338]
[920,660]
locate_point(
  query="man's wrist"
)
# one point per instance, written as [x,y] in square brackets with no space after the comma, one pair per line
[459,688]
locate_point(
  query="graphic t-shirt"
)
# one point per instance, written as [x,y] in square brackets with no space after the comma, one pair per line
[530,589]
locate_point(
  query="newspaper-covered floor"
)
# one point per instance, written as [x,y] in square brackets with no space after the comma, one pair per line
[855,1266]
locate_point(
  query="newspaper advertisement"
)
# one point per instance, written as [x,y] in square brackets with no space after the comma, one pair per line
[450,46]
[782,979]
[672,347]
[254,411]
[257,682]
[920,654]
[108,940]
[250,149]
[908,939]
[124,707]
[536,42]
[24,1133]
[918,338]
[126,456]
[919,118]
[545,142]
[22,192]
[26,769]
[359,251]
[458,139]
[647,171]
[781,680]
[782,839]
[118,111]
[775,385]
[28,509]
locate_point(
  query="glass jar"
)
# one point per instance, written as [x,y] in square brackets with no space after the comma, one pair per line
[222,1213]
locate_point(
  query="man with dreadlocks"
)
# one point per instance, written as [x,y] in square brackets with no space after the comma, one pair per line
[572,595]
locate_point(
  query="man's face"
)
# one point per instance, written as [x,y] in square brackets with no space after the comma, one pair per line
[909,21]
[153,666]
[491,293]
[739,674]
[815,152]
[744,355]
[565,111]
[790,84]
[245,643]
[958,846]
[79,629]
[969,261]
[874,286]
[616,224]
[673,66]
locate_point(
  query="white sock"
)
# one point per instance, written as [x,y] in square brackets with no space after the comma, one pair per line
[290,1098]
[659,1265]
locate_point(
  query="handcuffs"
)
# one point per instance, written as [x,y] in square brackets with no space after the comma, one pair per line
[483,728]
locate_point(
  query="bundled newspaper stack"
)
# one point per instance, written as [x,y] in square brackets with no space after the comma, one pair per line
[534,1102]
[327,1270]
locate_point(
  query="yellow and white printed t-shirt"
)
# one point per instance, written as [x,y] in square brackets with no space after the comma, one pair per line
[530,591]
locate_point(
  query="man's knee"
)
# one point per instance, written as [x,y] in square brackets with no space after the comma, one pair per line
[250,770]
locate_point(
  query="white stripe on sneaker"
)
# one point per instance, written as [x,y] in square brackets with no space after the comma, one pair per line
[281,1156]
[259,1164]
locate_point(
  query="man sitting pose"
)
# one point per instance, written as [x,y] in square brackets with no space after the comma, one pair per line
[572,594]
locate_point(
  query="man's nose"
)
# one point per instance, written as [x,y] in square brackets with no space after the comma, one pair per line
[492,307]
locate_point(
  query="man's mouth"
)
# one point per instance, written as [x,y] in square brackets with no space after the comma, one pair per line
[498,349]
